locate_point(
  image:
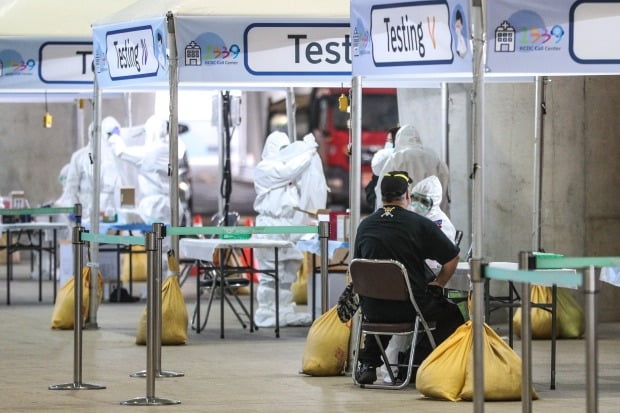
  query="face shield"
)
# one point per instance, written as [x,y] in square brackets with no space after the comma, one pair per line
[421,203]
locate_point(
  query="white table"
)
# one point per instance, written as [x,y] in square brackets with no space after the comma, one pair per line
[203,249]
[20,229]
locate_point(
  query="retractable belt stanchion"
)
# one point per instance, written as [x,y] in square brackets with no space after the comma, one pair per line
[526,339]
[152,266]
[591,291]
[159,231]
[324,239]
[478,330]
[77,318]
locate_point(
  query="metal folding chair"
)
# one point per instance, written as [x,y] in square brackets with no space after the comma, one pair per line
[386,280]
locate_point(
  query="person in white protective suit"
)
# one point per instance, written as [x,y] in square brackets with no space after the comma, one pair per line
[288,178]
[425,200]
[376,164]
[79,175]
[411,156]
[152,161]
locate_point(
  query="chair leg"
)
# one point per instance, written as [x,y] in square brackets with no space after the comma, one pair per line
[356,351]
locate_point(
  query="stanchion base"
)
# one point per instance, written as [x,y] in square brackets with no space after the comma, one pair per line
[90,326]
[164,373]
[149,401]
[76,386]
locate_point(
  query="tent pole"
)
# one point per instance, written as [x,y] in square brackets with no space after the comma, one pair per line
[355,168]
[291,114]
[93,262]
[539,112]
[221,152]
[479,51]
[173,165]
[445,156]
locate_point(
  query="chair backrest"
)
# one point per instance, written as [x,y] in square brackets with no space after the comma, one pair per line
[380,279]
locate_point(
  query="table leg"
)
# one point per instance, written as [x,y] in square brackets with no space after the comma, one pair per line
[55,263]
[198,271]
[252,326]
[277,293]
[9,268]
[222,292]
[40,265]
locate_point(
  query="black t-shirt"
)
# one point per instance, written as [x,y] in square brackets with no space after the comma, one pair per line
[404,236]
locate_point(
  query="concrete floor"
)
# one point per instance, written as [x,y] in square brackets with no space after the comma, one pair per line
[245,372]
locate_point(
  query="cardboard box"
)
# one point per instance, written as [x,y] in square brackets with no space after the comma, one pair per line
[128,197]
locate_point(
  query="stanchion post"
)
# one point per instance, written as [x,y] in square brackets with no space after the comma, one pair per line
[526,339]
[77,384]
[159,232]
[77,211]
[591,292]
[324,239]
[151,319]
[478,329]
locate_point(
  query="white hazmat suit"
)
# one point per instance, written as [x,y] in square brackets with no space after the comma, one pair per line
[78,186]
[152,161]
[289,176]
[410,155]
[429,187]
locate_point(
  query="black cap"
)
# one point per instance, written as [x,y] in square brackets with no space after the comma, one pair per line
[395,183]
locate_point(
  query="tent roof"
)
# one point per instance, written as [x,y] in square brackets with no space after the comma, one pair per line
[145,9]
[49,18]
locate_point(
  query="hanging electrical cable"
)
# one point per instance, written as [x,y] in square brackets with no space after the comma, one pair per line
[226,185]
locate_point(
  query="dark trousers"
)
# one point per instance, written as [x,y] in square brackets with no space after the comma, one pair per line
[443,313]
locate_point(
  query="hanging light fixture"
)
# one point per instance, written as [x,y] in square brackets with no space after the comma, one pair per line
[47,118]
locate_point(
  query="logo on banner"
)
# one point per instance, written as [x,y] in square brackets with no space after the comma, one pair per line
[131,53]
[411,34]
[359,41]
[526,31]
[13,64]
[211,49]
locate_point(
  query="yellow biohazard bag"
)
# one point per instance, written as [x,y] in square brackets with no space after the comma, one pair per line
[299,287]
[570,317]
[327,346]
[540,318]
[571,320]
[447,373]
[174,317]
[63,314]
[138,264]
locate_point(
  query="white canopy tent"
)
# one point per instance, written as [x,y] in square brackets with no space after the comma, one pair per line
[46,55]
[525,39]
[242,45]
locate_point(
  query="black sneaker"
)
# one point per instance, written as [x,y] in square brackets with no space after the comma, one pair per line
[366,374]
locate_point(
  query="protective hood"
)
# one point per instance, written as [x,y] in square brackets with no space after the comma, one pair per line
[407,137]
[275,141]
[431,187]
[110,126]
[155,130]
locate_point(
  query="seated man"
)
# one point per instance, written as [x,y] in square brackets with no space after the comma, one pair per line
[394,232]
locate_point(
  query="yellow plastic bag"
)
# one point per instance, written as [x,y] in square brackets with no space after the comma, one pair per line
[327,346]
[540,318]
[138,264]
[174,317]
[447,373]
[63,315]
[299,287]
[571,320]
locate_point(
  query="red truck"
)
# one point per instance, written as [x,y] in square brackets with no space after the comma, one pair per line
[331,128]
[319,113]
